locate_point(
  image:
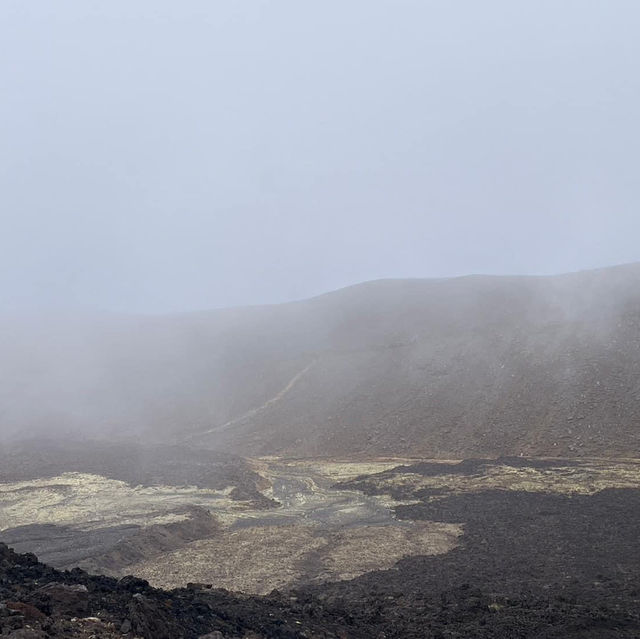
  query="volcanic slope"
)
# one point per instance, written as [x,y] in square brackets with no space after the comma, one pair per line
[451,368]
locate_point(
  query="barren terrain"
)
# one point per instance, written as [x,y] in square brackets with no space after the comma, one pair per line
[510,547]
[172,535]
[407,459]
[313,521]
[451,368]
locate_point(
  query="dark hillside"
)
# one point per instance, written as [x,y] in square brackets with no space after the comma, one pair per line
[473,366]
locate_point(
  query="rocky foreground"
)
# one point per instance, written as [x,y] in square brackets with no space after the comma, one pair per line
[38,602]
[555,555]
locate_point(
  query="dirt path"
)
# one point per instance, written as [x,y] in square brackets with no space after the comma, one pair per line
[254,411]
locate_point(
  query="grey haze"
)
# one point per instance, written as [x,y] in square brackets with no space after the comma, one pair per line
[169,156]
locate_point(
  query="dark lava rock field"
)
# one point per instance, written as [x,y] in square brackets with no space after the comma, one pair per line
[529,565]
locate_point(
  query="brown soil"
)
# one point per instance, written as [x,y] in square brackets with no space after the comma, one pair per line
[475,366]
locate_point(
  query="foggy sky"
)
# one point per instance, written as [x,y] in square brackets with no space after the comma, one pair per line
[164,156]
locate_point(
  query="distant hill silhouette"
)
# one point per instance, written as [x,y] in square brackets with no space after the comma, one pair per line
[471,366]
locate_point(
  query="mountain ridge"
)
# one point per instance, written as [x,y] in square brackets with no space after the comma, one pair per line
[452,367]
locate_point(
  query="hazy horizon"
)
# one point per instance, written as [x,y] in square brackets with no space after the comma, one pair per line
[88,311]
[162,157]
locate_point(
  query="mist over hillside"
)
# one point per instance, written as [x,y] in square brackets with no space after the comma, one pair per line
[471,366]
